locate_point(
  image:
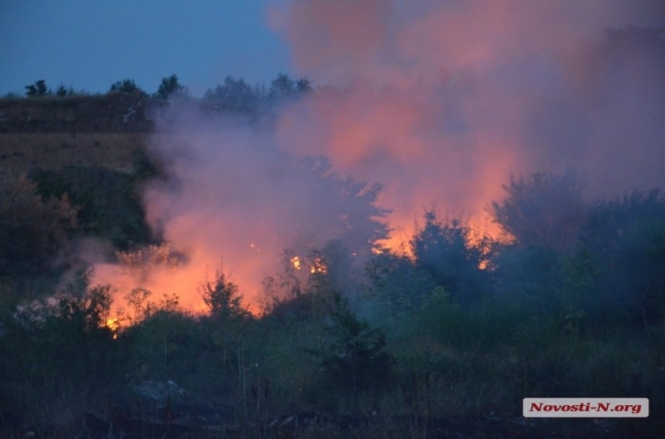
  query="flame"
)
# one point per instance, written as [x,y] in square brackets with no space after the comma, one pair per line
[113,324]
[318,266]
[440,102]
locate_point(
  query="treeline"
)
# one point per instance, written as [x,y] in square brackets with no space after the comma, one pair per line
[461,326]
[233,92]
[126,107]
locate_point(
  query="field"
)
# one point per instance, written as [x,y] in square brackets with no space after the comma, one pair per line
[22,151]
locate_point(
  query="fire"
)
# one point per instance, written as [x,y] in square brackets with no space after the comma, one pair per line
[318,266]
[295,261]
[113,325]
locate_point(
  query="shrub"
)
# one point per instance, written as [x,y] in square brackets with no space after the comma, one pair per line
[32,229]
[352,361]
[110,205]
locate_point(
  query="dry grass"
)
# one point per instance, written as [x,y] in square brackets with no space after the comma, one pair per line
[20,151]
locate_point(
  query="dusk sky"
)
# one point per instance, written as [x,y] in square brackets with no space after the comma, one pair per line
[88,45]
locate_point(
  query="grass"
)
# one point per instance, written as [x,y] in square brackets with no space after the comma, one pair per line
[21,151]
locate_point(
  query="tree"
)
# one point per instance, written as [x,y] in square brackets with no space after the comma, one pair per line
[126,86]
[235,93]
[285,87]
[170,87]
[37,89]
[350,213]
[626,237]
[223,299]
[397,283]
[446,250]
[547,210]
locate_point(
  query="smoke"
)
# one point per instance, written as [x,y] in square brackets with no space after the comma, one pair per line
[235,202]
[439,101]
[443,100]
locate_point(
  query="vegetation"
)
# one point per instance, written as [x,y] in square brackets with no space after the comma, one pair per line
[465,327]
[237,94]
[37,89]
[462,327]
[170,87]
[126,86]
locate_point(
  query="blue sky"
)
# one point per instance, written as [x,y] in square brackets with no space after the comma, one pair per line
[89,44]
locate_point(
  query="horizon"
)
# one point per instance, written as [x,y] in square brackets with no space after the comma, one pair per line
[90,45]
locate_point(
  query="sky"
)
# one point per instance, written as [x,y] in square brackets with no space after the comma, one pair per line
[88,45]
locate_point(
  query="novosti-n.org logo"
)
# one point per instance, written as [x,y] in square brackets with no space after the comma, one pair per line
[585,407]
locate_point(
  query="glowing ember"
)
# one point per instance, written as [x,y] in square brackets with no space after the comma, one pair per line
[318,266]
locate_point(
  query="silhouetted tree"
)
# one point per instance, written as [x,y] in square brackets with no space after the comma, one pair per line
[626,238]
[170,87]
[62,91]
[126,86]
[234,93]
[37,89]
[546,210]
[223,298]
[453,256]
[285,87]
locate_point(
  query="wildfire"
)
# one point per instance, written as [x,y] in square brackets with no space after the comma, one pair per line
[318,266]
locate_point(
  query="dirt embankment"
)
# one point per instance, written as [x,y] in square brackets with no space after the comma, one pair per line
[113,112]
[53,132]
[97,130]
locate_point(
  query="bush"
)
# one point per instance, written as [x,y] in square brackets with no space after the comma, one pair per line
[32,229]
[59,358]
[110,204]
[352,361]
[63,91]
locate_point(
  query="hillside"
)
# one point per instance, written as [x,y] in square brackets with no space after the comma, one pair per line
[112,112]
[54,132]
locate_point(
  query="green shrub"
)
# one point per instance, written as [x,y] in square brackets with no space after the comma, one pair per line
[33,229]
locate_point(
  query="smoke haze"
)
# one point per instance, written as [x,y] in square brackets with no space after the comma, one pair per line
[439,101]
[445,99]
